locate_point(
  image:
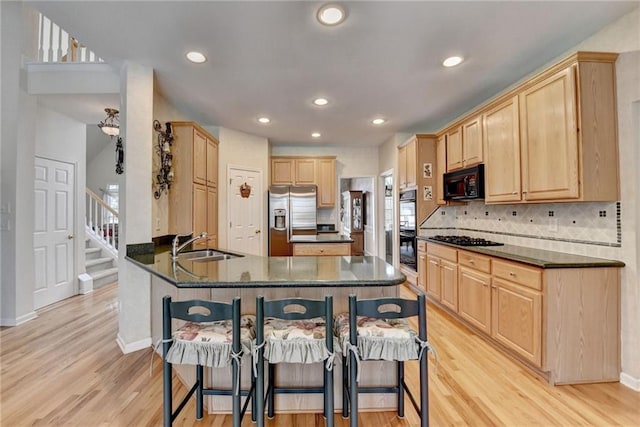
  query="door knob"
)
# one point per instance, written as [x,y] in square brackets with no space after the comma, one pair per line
[70,236]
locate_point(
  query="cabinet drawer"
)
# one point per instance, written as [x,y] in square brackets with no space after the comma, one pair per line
[422,246]
[518,273]
[443,252]
[321,249]
[475,261]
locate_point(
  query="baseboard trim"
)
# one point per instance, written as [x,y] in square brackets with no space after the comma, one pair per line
[19,320]
[133,346]
[629,381]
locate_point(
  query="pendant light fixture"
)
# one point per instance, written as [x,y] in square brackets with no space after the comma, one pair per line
[110,125]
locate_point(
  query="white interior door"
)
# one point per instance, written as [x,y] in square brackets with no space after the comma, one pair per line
[245,214]
[53,231]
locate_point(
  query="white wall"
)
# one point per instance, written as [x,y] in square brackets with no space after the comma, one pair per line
[240,149]
[17,156]
[62,138]
[101,169]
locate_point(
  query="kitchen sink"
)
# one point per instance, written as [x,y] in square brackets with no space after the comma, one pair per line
[205,255]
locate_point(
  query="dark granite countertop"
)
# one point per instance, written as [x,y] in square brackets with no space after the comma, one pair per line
[250,271]
[537,257]
[321,238]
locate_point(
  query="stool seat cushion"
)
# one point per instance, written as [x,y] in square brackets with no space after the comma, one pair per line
[379,339]
[295,341]
[209,343]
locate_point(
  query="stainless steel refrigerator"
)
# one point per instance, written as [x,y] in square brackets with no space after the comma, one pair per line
[292,211]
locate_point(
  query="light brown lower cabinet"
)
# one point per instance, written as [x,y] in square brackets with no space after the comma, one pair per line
[563,323]
[321,249]
[517,319]
[474,298]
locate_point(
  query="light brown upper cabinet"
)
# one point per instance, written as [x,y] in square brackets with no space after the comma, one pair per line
[554,137]
[292,171]
[550,138]
[282,171]
[407,163]
[454,149]
[441,168]
[305,171]
[193,197]
[472,142]
[212,163]
[464,144]
[326,181]
[502,140]
[319,171]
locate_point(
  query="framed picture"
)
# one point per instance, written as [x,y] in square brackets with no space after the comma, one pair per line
[427,170]
[427,192]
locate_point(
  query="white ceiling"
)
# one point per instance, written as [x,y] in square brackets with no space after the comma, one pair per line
[273,58]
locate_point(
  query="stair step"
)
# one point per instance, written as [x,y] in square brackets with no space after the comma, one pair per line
[104,277]
[92,253]
[93,265]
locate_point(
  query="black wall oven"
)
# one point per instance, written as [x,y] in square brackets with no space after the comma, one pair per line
[408,247]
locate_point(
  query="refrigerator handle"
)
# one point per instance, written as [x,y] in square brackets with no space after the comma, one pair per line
[288,217]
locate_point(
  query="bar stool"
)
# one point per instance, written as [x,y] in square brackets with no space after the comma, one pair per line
[293,330]
[377,329]
[214,335]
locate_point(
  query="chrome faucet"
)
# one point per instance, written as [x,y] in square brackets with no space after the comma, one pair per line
[175,249]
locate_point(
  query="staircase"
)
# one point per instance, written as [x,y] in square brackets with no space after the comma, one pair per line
[101,244]
[100,264]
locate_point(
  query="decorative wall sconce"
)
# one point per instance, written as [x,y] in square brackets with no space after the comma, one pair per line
[164,178]
[119,156]
[245,190]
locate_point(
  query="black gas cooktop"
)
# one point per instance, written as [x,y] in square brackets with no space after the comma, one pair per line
[466,241]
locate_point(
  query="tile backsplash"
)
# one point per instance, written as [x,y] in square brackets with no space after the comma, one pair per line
[550,224]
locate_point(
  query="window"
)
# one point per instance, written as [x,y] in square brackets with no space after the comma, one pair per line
[112,199]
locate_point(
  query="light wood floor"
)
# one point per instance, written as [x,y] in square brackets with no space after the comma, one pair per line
[65,368]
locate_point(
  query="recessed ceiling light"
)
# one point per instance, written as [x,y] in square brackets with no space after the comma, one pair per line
[320,102]
[378,121]
[264,120]
[452,61]
[316,135]
[196,57]
[331,14]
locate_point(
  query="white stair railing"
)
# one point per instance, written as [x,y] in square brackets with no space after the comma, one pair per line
[56,45]
[101,220]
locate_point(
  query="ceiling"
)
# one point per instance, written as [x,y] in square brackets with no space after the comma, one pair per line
[272,58]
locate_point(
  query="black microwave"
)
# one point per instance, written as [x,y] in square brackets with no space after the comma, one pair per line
[464,184]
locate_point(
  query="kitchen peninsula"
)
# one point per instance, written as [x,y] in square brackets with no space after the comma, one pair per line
[248,276]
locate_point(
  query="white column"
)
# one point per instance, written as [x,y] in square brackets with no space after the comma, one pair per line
[134,291]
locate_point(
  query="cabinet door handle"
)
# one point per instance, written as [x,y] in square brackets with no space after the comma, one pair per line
[471,261]
[512,274]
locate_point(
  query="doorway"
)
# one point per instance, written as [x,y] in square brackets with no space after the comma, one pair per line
[245,210]
[54,223]
[368,187]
